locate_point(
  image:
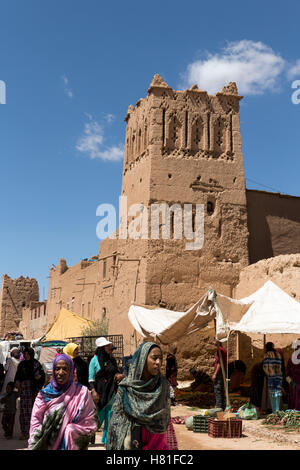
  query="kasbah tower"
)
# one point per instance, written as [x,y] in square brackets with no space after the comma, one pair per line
[181,147]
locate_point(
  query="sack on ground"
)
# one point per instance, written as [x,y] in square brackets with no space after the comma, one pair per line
[248,411]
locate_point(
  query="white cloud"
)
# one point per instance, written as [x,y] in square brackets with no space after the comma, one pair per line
[67,89]
[110,117]
[88,115]
[294,71]
[254,66]
[91,143]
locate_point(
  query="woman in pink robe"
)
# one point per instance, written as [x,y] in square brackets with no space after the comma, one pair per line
[63,415]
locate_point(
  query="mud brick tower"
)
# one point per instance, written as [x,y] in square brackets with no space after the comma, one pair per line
[184,147]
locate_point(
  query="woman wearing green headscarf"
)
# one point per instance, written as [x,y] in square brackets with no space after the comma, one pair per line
[140,413]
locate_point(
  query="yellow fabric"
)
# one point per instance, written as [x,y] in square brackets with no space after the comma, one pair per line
[70,348]
[66,325]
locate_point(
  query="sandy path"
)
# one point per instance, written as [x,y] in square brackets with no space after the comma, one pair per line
[188,440]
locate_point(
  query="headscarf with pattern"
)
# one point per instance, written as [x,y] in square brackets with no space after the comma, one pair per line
[139,402]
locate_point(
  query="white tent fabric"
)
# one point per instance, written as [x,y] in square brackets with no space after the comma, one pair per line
[167,326]
[272,311]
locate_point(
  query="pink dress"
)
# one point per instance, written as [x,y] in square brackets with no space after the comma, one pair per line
[78,417]
[154,441]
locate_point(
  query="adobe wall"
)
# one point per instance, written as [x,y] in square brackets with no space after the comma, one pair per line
[15,294]
[34,320]
[73,288]
[274,224]
[104,288]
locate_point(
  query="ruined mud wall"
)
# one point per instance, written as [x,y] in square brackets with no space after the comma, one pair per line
[198,351]
[274,224]
[15,295]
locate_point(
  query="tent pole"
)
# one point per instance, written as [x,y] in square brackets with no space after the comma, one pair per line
[227,370]
[224,377]
[222,367]
[237,345]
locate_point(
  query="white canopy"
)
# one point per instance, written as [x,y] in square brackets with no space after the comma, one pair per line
[272,311]
[167,326]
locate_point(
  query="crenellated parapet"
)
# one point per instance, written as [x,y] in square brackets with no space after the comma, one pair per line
[184,124]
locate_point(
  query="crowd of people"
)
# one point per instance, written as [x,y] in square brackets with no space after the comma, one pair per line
[65,412]
[133,403]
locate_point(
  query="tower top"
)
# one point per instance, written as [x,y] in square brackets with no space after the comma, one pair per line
[158,82]
[230,90]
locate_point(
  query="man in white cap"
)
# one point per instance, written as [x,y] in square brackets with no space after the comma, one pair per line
[103,342]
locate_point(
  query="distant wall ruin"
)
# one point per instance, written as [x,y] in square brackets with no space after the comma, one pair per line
[15,295]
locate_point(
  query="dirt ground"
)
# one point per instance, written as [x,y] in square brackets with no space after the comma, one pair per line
[252,437]
[255,437]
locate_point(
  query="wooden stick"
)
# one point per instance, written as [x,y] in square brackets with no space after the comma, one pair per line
[224,377]
[222,368]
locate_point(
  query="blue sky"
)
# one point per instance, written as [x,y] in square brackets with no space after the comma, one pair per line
[72,68]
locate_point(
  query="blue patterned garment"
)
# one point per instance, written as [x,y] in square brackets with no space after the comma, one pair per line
[272,369]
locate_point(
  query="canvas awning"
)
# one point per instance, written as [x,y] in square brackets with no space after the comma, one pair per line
[167,326]
[66,325]
[272,311]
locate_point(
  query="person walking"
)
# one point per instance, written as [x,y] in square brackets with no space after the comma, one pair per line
[104,376]
[257,385]
[63,415]
[140,414]
[10,408]
[10,367]
[81,369]
[272,366]
[217,376]
[171,372]
[2,376]
[29,379]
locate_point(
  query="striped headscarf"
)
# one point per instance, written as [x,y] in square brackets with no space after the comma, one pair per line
[139,402]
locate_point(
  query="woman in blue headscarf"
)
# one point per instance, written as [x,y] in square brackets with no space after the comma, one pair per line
[140,413]
[63,416]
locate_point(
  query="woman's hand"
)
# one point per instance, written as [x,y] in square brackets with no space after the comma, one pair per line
[119,377]
[95,396]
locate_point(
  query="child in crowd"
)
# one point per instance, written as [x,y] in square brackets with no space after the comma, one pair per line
[10,407]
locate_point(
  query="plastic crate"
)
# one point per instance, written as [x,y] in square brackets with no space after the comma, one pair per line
[200,423]
[231,428]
